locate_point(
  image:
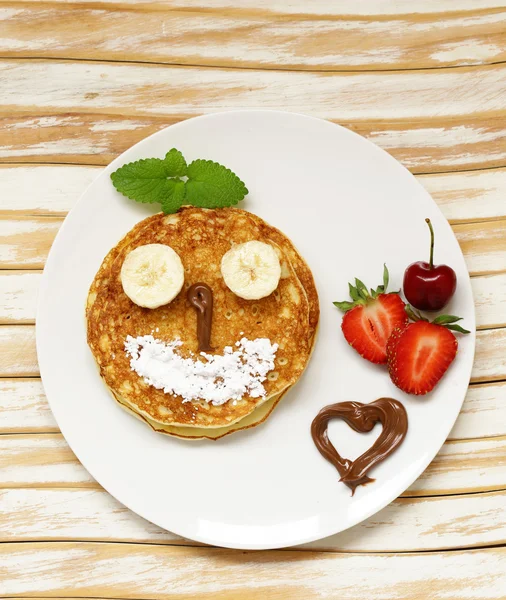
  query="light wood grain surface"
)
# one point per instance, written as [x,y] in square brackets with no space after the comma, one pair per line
[80,82]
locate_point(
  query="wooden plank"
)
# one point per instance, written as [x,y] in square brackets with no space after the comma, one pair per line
[25,243]
[40,460]
[326,8]
[18,298]
[259,40]
[24,409]
[490,358]
[439,144]
[48,190]
[136,90]
[483,246]
[468,196]
[42,514]
[73,138]
[52,190]
[77,569]
[18,355]
[483,413]
[408,524]
[422,145]
[45,460]
[489,293]
[464,466]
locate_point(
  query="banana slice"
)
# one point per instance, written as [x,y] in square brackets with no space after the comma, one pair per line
[251,270]
[152,275]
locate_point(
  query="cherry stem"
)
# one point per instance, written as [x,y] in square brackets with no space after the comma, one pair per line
[431,261]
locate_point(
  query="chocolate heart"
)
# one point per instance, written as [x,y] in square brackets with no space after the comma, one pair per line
[362,418]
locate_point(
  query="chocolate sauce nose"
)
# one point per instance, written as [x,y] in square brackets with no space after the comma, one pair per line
[200,296]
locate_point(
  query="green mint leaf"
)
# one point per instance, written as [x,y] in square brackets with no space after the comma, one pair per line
[444,319]
[344,306]
[353,292]
[211,185]
[386,277]
[175,163]
[175,196]
[457,328]
[144,180]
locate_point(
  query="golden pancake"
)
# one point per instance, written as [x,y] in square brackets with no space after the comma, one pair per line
[258,416]
[200,237]
[261,413]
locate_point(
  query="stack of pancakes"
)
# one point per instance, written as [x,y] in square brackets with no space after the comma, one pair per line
[288,317]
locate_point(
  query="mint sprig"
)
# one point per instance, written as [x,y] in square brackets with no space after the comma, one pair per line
[172,183]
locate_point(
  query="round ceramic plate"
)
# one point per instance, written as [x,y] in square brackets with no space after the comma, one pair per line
[349,207]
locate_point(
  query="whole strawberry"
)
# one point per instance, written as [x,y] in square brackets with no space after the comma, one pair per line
[420,353]
[371,317]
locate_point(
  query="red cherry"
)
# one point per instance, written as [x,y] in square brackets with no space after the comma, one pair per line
[428,286]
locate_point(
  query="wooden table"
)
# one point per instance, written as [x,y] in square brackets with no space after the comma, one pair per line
[79,84]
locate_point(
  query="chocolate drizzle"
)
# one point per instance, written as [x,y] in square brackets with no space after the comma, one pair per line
[362,418]
[200,295]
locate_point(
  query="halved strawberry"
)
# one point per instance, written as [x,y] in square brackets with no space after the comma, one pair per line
[371,318]
[420,353]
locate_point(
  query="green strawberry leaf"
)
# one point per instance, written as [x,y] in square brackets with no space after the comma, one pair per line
[457,328]
[386,278]
[362,289]
[410,312]
[344,306]
[361,295]
[444,319]
[353,292]
[447,321]
[413,314]
[211,185]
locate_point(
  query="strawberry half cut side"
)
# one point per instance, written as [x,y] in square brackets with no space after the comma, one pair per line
[371,317]
[420,353]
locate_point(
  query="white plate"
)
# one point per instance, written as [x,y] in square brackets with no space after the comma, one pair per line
[349,207]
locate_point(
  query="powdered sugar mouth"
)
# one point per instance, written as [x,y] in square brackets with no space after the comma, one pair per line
[217,378]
